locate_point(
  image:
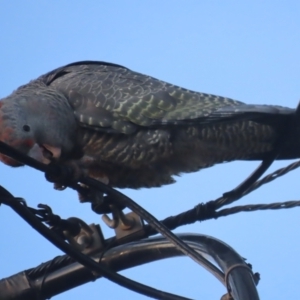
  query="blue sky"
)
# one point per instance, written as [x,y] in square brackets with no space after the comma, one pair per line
[246,50]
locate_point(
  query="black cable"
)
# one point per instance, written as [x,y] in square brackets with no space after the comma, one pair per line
[236,193]
[22,210]
[150,219]
[64,173]
[268,178]
[22,158]
[272,176]
[201,212]
[189,216]
[206,211]
[56,263]
[255,207]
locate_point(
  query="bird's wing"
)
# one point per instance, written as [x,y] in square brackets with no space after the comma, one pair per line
[112,98]
[266,114]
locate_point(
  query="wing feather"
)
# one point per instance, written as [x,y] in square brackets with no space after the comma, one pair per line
[112,98]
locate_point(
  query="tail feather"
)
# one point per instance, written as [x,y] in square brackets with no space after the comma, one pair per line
[258,113]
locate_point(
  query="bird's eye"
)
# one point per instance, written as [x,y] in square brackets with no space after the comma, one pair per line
[26,128]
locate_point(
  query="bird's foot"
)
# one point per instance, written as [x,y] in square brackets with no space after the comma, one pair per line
[88,194]
[65,174]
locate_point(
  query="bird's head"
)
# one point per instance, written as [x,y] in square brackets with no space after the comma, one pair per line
[38,123]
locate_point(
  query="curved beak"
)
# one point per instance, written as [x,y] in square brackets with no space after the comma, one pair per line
[44,153]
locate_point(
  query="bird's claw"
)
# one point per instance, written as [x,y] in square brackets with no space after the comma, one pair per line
[87,194]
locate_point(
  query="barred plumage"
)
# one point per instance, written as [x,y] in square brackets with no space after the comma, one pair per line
[133,129]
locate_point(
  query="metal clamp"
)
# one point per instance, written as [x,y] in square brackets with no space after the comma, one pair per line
[123,224]
[90,238]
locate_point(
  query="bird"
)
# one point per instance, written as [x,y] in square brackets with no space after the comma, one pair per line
[131,130]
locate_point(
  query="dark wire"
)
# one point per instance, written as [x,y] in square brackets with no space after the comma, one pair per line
[151,220]
[22,210]
[7,150]
[201,212]
[206,211]
[254,207]
[55,171]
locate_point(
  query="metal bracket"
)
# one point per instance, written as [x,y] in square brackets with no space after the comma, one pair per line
[125,225]
[89,240]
